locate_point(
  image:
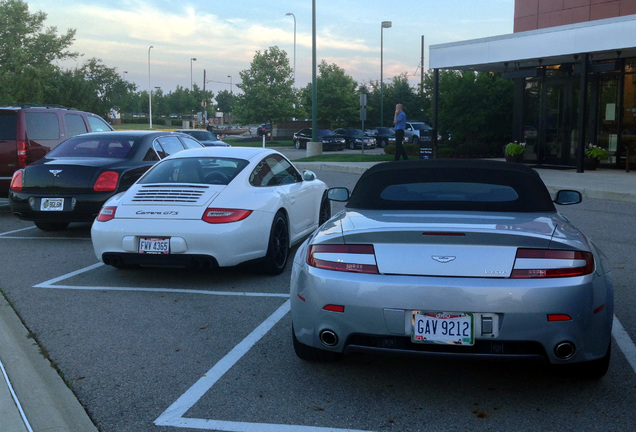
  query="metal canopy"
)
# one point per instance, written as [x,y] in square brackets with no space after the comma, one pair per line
[601,39]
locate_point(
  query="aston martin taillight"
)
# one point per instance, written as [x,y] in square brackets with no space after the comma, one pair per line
[106,213]
[547,263]
[217,215]
[16,181]
[106,182]
[347,258]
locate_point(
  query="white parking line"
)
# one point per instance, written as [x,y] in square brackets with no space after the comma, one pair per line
[625,343]
[173,416]
[51,284]
[15,231]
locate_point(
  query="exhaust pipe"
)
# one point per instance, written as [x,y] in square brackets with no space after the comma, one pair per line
[329,338]
[564,350]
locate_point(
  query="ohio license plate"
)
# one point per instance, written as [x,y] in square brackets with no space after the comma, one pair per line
[52,204]
[441,327]
[154,245]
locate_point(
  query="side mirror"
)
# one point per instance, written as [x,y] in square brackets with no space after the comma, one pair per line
[568,197]
[340,194]
[308,175]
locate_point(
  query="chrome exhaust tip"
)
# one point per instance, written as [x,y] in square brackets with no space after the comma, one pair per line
[564,350]
[329,338]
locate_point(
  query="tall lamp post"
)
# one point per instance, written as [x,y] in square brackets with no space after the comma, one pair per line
[191,60]
[294,16]
[231,85]
[229,114]
[385,24]
[149,89]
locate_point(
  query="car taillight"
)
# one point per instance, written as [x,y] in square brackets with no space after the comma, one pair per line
[217,215]
[347,258]
[16,181]
[22,153]
[106,213]
[106,182]
[545,263]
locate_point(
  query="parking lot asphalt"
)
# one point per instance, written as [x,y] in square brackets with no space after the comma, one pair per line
[33,397]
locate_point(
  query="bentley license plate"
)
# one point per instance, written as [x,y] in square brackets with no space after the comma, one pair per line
[52,204]
[154,245]
[442,327]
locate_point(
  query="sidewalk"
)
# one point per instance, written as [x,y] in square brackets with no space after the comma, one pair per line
[605,183]
[33,397]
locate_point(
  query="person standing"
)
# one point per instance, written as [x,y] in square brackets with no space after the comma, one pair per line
[400,124]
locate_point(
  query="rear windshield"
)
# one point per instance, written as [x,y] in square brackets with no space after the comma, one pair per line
[94,146]
[205,170]
[8,125]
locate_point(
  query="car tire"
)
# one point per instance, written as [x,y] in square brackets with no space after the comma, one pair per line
[352,145]
[305,352]
[52,226]
[298,144]
[416,141]
[382,142]
[325,210]
[275,261]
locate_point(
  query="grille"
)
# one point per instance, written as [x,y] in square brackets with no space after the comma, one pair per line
[169,195]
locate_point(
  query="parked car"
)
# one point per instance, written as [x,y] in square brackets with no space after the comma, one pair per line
[212,207]
[355,138]
[73,180]
[264,129]
[455,258]
[330,142]
[416,132]
[205,137]
[383,135]
[29,131]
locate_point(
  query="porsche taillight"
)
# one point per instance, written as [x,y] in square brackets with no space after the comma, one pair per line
[106,213]
[219,215]
[106,182]
[548,263]
[16,180]
[358,258]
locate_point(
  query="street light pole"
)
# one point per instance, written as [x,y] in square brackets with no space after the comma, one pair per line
[294,16]
[385,24]
[231,85]
[229,114]
[191,60]
[149,89]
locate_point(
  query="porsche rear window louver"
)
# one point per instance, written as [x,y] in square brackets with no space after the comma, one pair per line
[168,195]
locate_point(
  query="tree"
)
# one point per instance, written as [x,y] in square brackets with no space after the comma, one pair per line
[28,52]
[267,86]
[225,102]
[475,107]
[338,101]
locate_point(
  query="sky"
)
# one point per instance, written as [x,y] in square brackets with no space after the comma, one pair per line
[224,36]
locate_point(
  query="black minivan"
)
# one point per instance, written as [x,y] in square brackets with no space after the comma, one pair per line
[29,131]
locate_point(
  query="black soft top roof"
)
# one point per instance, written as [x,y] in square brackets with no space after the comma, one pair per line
[530,193]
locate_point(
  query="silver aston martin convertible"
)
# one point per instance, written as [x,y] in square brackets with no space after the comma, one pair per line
[459,258]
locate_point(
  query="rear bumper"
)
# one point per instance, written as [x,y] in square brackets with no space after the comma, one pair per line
[77,208]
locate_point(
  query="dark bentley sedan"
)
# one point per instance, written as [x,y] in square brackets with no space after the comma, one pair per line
[329,140]
[73,180]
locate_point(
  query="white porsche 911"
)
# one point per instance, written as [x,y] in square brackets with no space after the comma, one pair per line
[212,207]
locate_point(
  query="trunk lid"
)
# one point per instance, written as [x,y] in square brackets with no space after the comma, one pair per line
[458,244]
